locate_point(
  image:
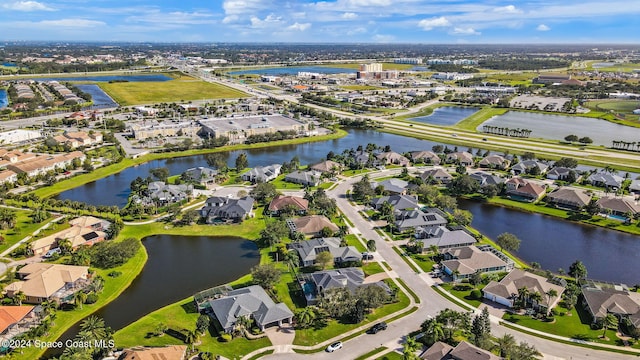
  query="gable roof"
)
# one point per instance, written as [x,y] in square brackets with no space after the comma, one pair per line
[607,300]
[398,202]
[427,155]
[308,177]
[281,201]
[437,351]
[517,279]
[620,205]
[436,174]
[467,260]
[326,166]
[606,178]
[10,315]
[311,224]
[309,249]
[445,238]
[524,165]
[484,178]
[393,185]
[569,195]
[227,208]
[415,218]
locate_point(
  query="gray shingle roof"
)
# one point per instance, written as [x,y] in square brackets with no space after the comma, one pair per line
[226,208]
[398,202]
[309,249]
[445,238]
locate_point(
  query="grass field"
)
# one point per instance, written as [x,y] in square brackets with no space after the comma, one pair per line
[179,89]
[473,121]
[623,106]
[385,66]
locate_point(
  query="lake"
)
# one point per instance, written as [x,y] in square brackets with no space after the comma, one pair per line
[100,99]
[609,255]
[447,115]
[178,267]
[294,70]
[4,100]
[107,78]
[556,127]
[114,189]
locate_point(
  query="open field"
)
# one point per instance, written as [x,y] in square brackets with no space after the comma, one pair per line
[181,89]
[624,106]
[360,87]
[385,66]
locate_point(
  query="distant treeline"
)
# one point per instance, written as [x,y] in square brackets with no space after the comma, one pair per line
[522,63]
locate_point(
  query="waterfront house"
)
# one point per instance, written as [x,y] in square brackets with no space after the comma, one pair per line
[308,250]
[315,284]
[281,202]
[49,282]
[599,301]
[559,173]
[494,162]
[84,230]
[200,175]
[461,263]
[462,158]
[392,186]
[444,238]
[462,351]
[426,157]
[618,206]
[526,166]
[262,173]
[169,352]
[311,225]
[505,292]
[569,197]
[252,302]
[327,167]
[225,209]
[521,189]
[392,158]
[15,320]
[438,175]
[606,180]
[165,194]
[421,222]
[305,178]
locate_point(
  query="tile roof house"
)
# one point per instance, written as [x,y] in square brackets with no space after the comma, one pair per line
[250,301]
[438,175]
[84,230]
[262,173]
[524,190]
[171,352]
[462,158]
[568,197]
[600,301]
[311,225]
[200,175]
[494,162]
[309,249]
[461,263]
[444,238]
[463,351]
[281,202]
[12,317]
[419,221]
[49,282]
[306,178]
[620,206]
[398,202]
[219,208]
[506,291]
[327,166]
[605,179]
[427,157]
[393,185]
[392,157]
[525,165]
[315,284]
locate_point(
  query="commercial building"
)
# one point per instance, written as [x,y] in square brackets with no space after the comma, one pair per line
[239,128]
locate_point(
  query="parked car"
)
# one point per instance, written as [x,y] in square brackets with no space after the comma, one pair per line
[335,346]
[367,256]
[52,252]
[377,327]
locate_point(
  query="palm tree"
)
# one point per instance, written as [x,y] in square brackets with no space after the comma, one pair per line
[243,323]
[19,297]
[551,293]
[306,316]
[433,331]
[409,348]
[79,298]
[191,337]
[95,327]
[505,344]
[535,298]
[523,294]
[609,321]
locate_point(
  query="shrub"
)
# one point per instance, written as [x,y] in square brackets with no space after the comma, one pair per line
[476,294]
[225,337]
[461,287]
[109,254]
[91,298]
[562,313]
[114,274]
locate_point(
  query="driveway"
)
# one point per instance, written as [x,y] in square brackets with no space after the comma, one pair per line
[281,337]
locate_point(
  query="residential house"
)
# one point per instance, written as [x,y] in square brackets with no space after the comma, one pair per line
[461,263]
[162,193]
[252,302]
[306,178]
[600,301]
[201,175]
[392,186]
[462,158]
[79,138]
[606,180]
[494,162]
[315,284]
[363,157]
[308,250]
[634,187]
[438,175]
[569,197]
[444,238]
[423,223]
[505,292]
[171,352]
[426,157]
[618,206]
[84,230]
[525,166]
[559,173]
[8,176]
[392,158]
[49,282]
[311,225]
[327,167]
[262,173]
[398,202]
[36,165]
[486,179]
[280,202]
[223,209]
[521,189]
[462,351]
[15,320]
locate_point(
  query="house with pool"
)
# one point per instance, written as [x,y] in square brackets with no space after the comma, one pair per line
[506,291]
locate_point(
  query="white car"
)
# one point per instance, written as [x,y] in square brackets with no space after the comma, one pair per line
[335,346]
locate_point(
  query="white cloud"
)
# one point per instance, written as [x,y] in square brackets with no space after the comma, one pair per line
[299,27]
[173,18]
[359,3]
[430,24]
[349,15]
[358,30]
[27,6]
[464,31]
[256,22]
[509,9]
[234,7]
[230,19]
[72,23]
[543,27]
[383,38]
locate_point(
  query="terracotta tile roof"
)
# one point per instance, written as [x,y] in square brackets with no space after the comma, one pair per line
[12,314]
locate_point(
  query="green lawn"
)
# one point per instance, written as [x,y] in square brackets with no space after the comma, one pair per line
[391,356]
[371,353]
[372,268]
[405,258]
[424,262]
[24,227]
[475,120]
[462,294]
[352,240]
[180,89]
[625,106]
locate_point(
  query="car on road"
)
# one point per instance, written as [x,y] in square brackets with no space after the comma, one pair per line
[367,256]
[377,327]
[454,135]
[335,346]
[52,252]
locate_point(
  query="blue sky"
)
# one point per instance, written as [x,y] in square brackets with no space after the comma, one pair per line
[374,21]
